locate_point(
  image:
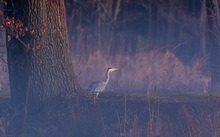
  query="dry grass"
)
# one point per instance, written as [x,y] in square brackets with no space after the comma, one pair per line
[144,71]
[127,115]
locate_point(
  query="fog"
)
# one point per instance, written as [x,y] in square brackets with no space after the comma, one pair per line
[158,46]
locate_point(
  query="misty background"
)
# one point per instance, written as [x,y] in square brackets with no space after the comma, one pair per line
[158,45]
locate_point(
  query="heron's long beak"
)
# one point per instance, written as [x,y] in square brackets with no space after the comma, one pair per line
[114,69]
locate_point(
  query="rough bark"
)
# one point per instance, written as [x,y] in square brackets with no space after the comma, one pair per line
[40,66]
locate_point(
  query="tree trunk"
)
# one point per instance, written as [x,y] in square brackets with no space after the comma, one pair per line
[40,66]
[203,24]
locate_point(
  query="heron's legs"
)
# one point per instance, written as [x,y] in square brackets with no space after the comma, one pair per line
[95,96]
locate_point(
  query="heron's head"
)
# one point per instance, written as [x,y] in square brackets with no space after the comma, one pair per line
[112,69]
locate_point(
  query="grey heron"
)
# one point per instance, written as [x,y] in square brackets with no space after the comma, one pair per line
[99,86]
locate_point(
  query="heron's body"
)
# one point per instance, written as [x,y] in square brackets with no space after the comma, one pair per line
[99,86]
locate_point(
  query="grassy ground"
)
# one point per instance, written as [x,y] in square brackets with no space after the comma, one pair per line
[120,115]
[163,98]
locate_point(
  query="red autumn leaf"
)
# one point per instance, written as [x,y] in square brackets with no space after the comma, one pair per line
[7,23]
[9,37]
[16,36]
[5,3]
[22,32]
[21,24]
[12,20]
[1,12]
[32,31]
[39,62]
[45,24]
[16,26]
[28,47]
[33,49]
[37,47]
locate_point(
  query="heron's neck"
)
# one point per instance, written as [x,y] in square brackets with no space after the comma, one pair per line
[107,76]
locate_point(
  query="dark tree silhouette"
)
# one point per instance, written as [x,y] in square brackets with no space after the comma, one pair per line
[40,66]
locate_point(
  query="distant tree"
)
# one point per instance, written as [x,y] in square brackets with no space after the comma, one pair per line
[203,29]
[39,60]
[214,26]
[215,17]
